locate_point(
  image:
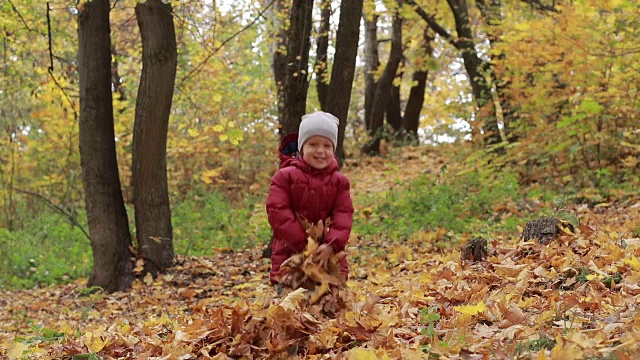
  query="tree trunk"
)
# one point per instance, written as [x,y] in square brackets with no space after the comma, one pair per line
[371,64]
[279,53]
[411,120]
[344,67]
[153,107]
[475,68]
[322,76]
[106,214]
[297,82]
[394,112]
[383,89]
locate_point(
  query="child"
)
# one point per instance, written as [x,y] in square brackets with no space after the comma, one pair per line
[310,186]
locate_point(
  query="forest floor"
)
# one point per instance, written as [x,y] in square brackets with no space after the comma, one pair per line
[575,298]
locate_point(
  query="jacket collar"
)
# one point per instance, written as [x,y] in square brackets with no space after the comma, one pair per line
[305,167]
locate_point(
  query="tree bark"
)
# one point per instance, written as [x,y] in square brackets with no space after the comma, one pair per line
[371,64]
[322,76]
[394,111]
[153,107]
[344,67]
[297,81]
[279,54]
[411,120]
[106,214]
[383,88]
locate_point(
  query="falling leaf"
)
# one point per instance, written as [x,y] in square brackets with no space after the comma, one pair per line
[148,279]
[293,300]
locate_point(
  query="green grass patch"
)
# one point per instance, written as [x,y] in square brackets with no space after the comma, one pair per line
[211,221]
[47,250]
[456,203]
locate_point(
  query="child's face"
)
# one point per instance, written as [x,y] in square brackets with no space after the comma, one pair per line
[317,151]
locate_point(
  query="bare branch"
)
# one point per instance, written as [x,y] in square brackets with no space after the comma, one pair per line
[56,208]
[433,24]
[19,15]
[49,33]
[215,51]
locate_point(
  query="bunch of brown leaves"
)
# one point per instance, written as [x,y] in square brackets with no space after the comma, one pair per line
[321,285]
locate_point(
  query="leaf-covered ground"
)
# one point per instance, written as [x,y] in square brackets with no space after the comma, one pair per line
[575,298]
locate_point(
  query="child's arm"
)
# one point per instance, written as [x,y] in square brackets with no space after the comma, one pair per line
[341,217]
[281,216]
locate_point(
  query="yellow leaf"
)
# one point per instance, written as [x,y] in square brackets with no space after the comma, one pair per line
[293,300]
[139,266]
[18,350]
[564,351]
[635,264]
[208,176]
[542,355]
[95,343]
[471,309]
[366,354]
[218,128]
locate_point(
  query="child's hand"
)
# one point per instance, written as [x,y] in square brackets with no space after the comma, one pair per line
[322,255]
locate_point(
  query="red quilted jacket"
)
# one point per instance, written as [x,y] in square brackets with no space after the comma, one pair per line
[298,188]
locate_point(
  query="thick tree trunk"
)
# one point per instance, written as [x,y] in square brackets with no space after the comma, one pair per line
[344,67]
[322,75]
[153,107]
[476,69]
[371,64]
[297,79]
[384,88]
[279,53]
[106,214]
[394,112]
[411,120]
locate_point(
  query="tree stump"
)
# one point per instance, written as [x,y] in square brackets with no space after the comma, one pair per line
[544,230]
[475,250]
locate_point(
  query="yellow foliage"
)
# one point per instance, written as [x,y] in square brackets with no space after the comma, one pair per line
[471,309]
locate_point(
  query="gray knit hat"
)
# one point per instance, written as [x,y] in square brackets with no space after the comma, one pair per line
[318,123]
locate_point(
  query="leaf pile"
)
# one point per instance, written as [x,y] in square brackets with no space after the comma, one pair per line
[321,285]
[576,297]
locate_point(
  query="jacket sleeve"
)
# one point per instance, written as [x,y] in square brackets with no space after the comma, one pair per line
[280,213]
[341,216]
